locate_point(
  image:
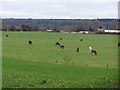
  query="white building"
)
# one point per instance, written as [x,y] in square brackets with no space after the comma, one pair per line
[49,30]
[84,32]
[109,31]
[112,31]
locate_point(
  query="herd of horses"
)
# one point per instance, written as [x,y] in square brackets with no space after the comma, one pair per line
[92,51]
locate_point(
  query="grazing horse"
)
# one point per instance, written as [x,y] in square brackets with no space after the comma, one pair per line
[81,40]
[77,50]
[7,35]
[119,44]
[62,46]
[57,43]
[60,38]
[30,42]
[92,50]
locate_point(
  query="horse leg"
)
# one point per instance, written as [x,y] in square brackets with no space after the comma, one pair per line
[95,53]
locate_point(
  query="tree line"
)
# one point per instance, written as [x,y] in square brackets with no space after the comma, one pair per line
[68,25]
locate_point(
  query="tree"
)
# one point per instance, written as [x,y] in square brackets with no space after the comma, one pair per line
[95,25]
[90,29]
[118,24]
[100,27]
[25,28]
[12,28]
[56,29]
[114,24]
[4,28]
[35,28]
[85,24]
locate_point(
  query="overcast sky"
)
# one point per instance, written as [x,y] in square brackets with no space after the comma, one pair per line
[59,9]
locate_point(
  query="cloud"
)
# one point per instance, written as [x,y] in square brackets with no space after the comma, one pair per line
[59,0]
[60,9]
[13,13]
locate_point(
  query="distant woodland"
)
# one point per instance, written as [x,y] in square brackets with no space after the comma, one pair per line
[68,25]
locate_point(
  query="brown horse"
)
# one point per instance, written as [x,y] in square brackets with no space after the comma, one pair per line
[94,51]
[57,43]
[62,46]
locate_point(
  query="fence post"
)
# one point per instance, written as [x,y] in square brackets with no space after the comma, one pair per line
[72,63]
[107,65]
[56,61]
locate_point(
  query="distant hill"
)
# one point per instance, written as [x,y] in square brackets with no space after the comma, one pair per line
[58,24]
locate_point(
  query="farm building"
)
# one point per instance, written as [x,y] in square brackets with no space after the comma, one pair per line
[49,30]
[109,31]
[84,32]
[112,31]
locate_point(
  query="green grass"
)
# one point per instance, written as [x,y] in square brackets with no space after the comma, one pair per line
[35,65]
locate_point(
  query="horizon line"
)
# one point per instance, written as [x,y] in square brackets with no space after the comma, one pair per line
[59,18]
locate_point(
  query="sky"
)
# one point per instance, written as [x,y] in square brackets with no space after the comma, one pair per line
[59,9]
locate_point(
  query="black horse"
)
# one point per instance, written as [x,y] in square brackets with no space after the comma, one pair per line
[7,35]
[57,43]
[60,38]
[118,44]
[81,40]
[77,50]
[30,42]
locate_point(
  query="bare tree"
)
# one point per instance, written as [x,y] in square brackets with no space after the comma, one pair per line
[12,28]
[95,25]
[114,24]
[85,24]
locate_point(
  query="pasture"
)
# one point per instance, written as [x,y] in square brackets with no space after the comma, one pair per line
[44,65]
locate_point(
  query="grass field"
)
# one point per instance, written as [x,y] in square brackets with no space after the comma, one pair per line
[44,65]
